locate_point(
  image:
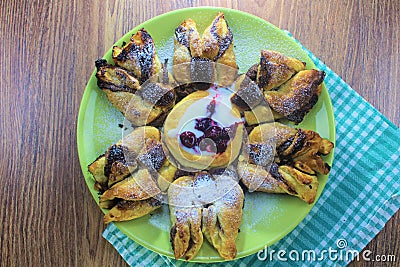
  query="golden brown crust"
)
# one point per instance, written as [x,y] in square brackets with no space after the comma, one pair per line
[296,161]
[185,235]
[218,46]
[275,132]
[279,179]
[140,139]
[289,89]
[247,94]
[118,164]
[139,186]
[296,97]
[275,69]
[115,78]
[186,35]
[218,212]
[258,115]
[119,161]
[139,86]
[167,174]
[221,222]
[217,39]
[257,178]
[304,149]
[129,210]
[96,168]
[134,108]
[187,44]
[138,56]
[215,45]
[297,183]
[140,104]
[129,174]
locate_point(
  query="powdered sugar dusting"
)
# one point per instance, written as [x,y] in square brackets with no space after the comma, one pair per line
[204,189]
[160,219]
[259,209]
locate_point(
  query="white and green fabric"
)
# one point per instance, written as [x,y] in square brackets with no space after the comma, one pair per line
[360,197]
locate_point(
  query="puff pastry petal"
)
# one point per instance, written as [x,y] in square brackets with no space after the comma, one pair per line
[120,159]
[187,45]
[218,46]
[295,98]
[185,214]
[140,103]
[291,168]
[275,69]
[138,56]
[126,210]
[221,219]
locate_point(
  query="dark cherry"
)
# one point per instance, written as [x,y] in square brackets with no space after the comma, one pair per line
[203,124]
[188,139]
[225,133]
[213,132]
[215,138]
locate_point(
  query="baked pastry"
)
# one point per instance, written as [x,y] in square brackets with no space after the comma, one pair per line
[291,167]
[126,210]
[132,174]
[187,45]
[204,130]
[121,158]
[185,236]
[131,198]
[218,47]
[296,97]
[190,146]
[247,94]
[138,56]
[205,59]
[209,205]
[275,69]
[289,89]
[138,85]
[221,221]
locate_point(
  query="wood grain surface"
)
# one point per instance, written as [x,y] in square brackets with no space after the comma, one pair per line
[48,217]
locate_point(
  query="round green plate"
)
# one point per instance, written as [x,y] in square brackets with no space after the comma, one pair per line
[267,217]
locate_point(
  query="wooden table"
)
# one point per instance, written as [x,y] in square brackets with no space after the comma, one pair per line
[48,217]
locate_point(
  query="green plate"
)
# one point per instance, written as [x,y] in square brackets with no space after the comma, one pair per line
[267,218]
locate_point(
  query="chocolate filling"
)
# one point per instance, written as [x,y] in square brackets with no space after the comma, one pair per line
[223,42]
[143,54]
[114,154]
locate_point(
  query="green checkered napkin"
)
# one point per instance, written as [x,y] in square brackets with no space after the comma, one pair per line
[360,197]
